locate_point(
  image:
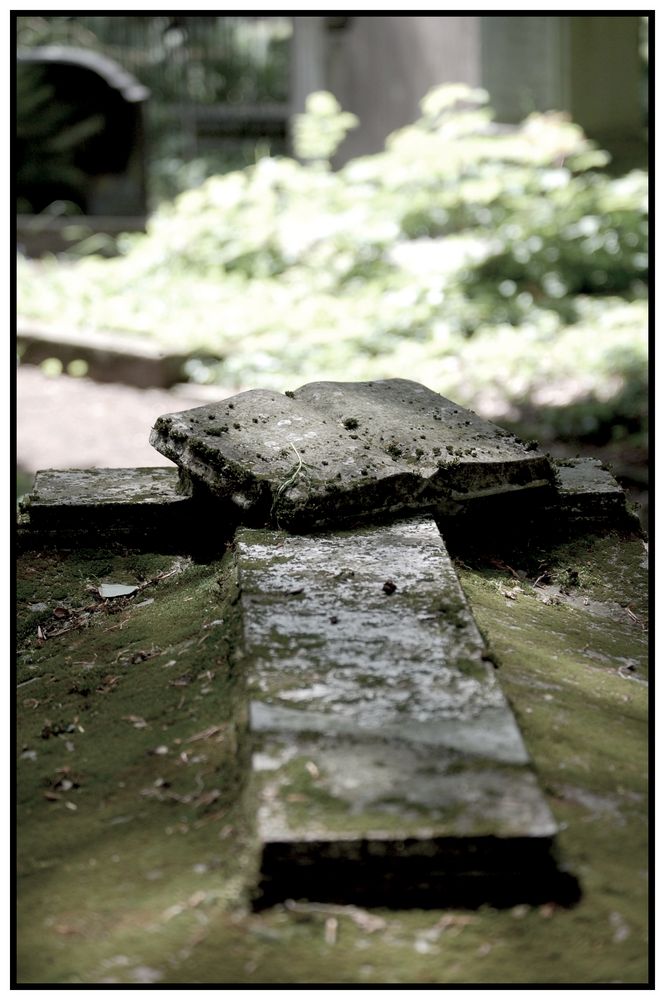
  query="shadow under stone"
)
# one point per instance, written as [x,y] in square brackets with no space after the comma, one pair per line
[446,872]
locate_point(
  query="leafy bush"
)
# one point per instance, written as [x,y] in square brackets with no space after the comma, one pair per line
[491,263]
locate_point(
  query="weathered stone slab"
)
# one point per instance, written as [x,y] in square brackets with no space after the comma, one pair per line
[587,491]
[382,732]
[586,498]
[65,504]
[332,453]
[67,495]
[110,356]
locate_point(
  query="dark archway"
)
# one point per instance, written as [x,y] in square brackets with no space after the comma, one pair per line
[80,134]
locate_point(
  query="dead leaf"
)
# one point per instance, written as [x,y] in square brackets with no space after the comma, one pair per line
[367,922]
[454,920]
[137,721]
[108,684]
[516,574]
[108,591]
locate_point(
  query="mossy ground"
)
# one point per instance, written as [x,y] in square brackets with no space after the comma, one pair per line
[135,836]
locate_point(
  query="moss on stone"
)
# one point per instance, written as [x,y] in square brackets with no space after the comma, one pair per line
[132,885]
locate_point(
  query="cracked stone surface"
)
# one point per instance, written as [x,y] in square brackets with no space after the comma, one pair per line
[378,713]
[332,453]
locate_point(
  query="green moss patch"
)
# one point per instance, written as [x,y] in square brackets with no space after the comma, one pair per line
[135,863]
[132,757]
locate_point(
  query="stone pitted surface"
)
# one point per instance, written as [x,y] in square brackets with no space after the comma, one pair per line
[381,728]
[334,452]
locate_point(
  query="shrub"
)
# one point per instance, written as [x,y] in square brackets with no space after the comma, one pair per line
[488,262]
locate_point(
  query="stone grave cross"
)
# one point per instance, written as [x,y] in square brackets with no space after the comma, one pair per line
[389,764]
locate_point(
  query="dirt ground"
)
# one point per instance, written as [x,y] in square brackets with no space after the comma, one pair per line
[76,423]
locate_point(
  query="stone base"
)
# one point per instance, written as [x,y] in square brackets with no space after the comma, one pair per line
[157,505]
[139,507]
[588,494]
[381,730]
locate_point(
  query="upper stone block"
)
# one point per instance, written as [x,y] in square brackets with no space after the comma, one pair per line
[337,452]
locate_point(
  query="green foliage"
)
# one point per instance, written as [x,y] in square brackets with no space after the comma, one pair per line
[320,130]
[585,236]
[495,264]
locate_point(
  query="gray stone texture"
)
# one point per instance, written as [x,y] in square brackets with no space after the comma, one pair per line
[588,492]
[332,453]
[69,495]
[376,708]
[67,506]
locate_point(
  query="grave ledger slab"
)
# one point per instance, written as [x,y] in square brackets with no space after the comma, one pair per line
[389,764]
